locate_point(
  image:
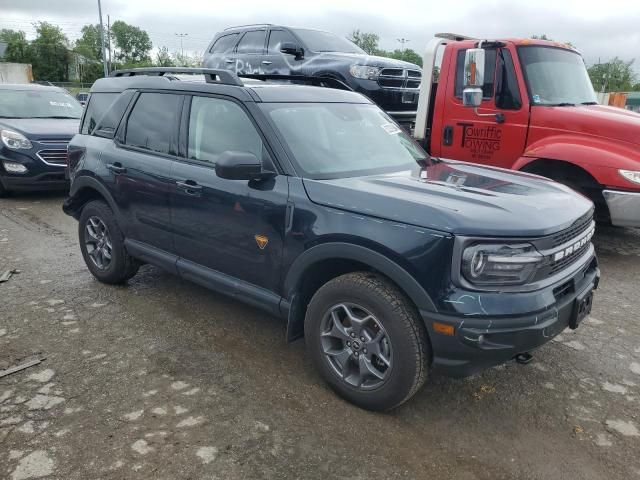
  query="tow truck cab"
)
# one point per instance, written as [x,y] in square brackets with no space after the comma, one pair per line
[529,105]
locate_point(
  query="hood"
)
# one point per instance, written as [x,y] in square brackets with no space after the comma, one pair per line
[595,120]
[370,60]
[35,128]
[458,198]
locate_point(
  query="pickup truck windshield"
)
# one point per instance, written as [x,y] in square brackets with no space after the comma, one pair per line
[556,76]
[334,140]
[318,41]
[38,104]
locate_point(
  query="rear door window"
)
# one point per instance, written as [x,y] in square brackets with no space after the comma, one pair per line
[224,43]
[153,122]
[252,42]
[98,104]
[277,38]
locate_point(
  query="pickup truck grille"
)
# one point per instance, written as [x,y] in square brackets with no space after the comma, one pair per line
[53,156]
[399,78]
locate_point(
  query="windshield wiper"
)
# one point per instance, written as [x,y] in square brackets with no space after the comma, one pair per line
[589,103]
[57,116]
[562,104]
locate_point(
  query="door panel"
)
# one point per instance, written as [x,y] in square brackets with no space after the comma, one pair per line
[482,139]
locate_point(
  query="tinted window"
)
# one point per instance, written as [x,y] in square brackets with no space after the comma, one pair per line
[252,42]
[152,123]
[507,91]
[318,41]
[216,126]
[109,122]
[95,109]
[278,37]
[489,73]
[224,43]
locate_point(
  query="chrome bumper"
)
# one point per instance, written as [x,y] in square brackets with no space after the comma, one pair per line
[624,208]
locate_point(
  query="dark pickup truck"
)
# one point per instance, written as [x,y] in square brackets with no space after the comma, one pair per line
[279,50]
[312,204]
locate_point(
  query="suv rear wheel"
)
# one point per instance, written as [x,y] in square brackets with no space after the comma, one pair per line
[367,340]
[102,245]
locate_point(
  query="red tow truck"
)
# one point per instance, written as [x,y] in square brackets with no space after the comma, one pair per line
[529,105]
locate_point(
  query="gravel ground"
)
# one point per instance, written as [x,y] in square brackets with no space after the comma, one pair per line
[162,379]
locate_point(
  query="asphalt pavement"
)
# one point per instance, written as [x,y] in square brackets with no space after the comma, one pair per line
[162,379]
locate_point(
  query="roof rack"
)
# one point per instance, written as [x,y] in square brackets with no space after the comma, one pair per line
[316,81]
[211,75]
[454,36]
[250,25]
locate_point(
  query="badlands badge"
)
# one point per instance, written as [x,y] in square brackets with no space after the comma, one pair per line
[262,241]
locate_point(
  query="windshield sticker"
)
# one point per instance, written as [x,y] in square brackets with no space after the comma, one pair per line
[536,99]
[60,104]
[390,128]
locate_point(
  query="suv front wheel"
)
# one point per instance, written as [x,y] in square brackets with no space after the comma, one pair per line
[367,340]
[102,245]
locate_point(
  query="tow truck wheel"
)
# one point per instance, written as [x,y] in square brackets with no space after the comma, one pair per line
[367,340]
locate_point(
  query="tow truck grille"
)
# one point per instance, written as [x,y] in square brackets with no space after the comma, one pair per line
[53,156]
[399,78]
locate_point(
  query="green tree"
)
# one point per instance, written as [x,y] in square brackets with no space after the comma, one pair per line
[132,44]
[18,47]
[366,41]
[615,75]
[187,60]
[408,55]
[89,44]
[51,56]
[163,58]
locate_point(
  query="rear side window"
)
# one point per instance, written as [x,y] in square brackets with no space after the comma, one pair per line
[152,124]
[224,43]
[489,73]
[109,122]
[252,42]
[217,126]
[96,107]
[277,38]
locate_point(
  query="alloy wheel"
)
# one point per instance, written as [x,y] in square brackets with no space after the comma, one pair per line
[98,242]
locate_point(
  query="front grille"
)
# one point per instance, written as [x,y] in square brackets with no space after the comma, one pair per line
[53,156]
[54,141]
[579,226]
[399,78]
[556,266]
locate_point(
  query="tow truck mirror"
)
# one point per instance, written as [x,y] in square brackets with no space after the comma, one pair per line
[290,48]
[473,77]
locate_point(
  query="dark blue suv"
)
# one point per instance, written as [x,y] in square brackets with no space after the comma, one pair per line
[312,204]
[36,124]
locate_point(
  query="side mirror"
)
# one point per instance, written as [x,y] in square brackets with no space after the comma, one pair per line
[290,48]
[473,77]
[239,166]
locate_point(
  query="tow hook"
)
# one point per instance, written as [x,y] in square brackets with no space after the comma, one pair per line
[523,358]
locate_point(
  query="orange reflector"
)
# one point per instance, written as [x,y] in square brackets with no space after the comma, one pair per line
[443,328]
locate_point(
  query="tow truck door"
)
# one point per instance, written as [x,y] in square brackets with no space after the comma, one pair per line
[482,139]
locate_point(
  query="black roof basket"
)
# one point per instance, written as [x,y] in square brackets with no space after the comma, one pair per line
[318,81]
[211,75]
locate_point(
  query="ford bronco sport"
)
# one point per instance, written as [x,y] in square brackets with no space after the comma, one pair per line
[312,204]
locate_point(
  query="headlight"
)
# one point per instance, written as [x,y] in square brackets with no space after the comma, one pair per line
[14,140]
[500,264]
[630,175]
[365,72]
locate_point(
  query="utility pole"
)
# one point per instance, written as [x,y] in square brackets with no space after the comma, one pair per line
[109,38]
[181,35]
[104,53]
[402,42]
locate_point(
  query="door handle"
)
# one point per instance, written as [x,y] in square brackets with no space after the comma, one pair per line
[447,135]
[189,187]
[116,167]
[266,62]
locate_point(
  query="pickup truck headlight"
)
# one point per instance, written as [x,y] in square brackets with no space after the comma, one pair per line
[365,72]
[500,264]
[14,140]
[630,175]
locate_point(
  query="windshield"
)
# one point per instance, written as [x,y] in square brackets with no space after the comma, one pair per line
[38,104]
[333,140]
[556,76]
[318,41]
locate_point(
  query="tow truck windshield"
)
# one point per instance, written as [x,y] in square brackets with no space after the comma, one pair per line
[556,76]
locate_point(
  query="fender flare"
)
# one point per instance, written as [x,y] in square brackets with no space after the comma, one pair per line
[348,251]
[86,182]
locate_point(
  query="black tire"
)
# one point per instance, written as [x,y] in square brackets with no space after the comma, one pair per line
[410,353]
[121,266]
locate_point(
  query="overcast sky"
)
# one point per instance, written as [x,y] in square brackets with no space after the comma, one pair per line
[600,30]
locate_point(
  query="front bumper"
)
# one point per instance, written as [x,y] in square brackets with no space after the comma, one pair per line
[480,342]
[624,207]
[39,176]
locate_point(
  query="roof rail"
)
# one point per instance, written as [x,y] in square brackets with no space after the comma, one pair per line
[454,36]
[319,81]
[250,25]
[211,75]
